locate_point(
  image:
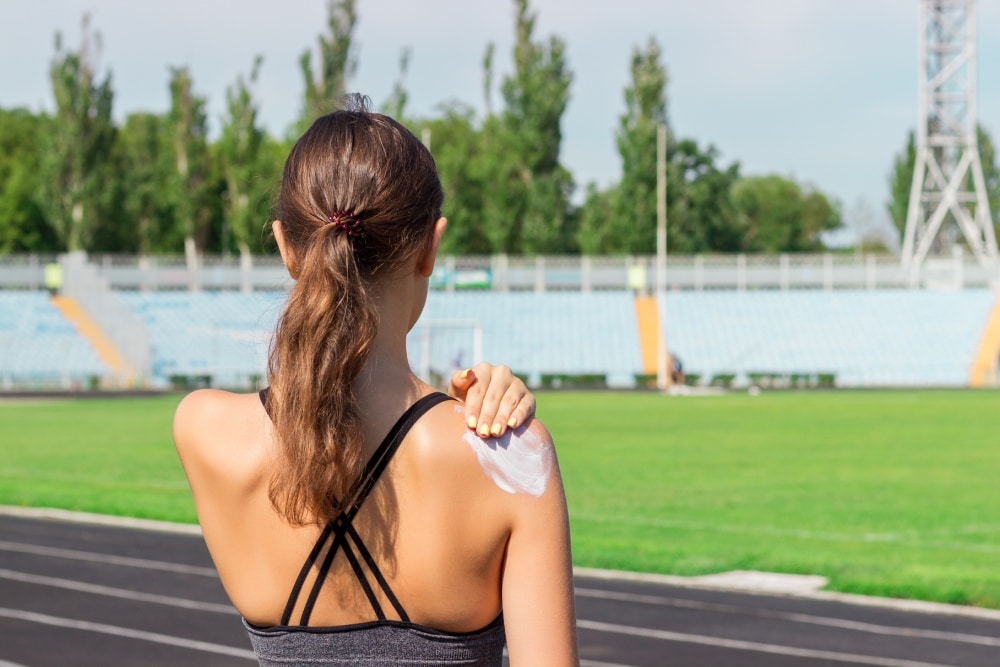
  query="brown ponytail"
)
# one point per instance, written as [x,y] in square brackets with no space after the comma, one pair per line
[369,168]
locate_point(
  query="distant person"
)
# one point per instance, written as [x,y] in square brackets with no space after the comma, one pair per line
[52,276]
[352,514]
[676,370]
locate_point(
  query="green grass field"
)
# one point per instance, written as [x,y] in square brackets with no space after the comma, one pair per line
[886,493]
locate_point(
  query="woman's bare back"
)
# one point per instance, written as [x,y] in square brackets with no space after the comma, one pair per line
[436,524]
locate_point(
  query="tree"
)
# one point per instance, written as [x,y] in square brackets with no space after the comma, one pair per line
[188,186]
[596,221]
[336,67]
[634,221]
[23,227]
[900,182]
[701,214]
[144,163]
[455,143]
[526,207]
[79,141]
[240,152]
[779,215]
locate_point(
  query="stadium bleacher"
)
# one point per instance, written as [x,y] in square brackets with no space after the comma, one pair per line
[219,335]
[553,337]
[863,337]
[39,347]
[536,334]
[225,334]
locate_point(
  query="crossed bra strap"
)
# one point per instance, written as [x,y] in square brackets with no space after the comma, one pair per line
[341,529]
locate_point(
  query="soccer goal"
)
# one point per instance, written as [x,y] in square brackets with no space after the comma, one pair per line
[437,348]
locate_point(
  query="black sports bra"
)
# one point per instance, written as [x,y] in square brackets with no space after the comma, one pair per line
[381,642]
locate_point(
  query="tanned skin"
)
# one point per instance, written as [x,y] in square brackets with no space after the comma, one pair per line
[455,548]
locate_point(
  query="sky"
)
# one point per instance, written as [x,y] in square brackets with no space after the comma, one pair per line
[823,91]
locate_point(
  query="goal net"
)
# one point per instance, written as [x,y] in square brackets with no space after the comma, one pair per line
[437,348]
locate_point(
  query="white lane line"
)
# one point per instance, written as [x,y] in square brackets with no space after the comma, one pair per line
[100,519]
[897,604]
[122,593]
[108,559]
[118,631]
[791,616]
[4,663]
[739,645]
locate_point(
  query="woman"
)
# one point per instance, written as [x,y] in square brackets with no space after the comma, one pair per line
[352,514]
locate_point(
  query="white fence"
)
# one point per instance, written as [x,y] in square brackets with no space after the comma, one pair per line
[545,273]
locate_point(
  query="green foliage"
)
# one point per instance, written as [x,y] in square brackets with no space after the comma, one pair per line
[158,185]
[78,145]
[337,64]
[189,186]
[244,164]
[700,212]
[596,221]
[144,220]
[778,215]
[901,181]
[23,227]
[455,143]
[527,205]
[701,215]
[633,225]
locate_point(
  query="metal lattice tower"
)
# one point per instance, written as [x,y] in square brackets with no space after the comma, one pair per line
[948,184]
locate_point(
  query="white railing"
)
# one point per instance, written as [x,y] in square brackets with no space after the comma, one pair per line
[545,273]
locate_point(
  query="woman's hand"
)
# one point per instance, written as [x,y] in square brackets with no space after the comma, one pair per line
[495,399]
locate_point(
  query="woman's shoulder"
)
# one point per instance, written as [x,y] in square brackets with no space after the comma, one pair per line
[210,408]
[519,461]
[219,429]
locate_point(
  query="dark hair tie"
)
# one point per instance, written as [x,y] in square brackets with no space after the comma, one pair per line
[345,221]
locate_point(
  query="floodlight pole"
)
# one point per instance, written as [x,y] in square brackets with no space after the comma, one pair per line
[948,183]
[662,371]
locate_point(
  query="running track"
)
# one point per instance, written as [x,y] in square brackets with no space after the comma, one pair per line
[81,594]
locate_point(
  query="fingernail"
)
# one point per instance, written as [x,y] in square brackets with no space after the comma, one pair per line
[484,430]
[511,422]
[472,422]
[464,374]
[496,429]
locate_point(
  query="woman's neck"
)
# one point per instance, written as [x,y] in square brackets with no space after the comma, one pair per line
[387,381]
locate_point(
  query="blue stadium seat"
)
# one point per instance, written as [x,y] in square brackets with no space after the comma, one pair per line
[224,335]
[555,333]
[866,338]
[38,346]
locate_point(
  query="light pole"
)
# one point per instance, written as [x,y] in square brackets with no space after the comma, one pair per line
[662,371]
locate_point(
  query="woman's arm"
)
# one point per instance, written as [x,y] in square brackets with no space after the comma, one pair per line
[495,399]
[537,591]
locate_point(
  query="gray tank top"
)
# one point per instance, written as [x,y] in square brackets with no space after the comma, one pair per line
[382,642]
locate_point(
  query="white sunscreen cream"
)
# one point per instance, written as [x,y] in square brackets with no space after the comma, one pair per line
[518,461]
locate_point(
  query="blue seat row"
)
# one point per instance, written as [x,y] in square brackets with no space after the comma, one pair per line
[864,337]
[39,346]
